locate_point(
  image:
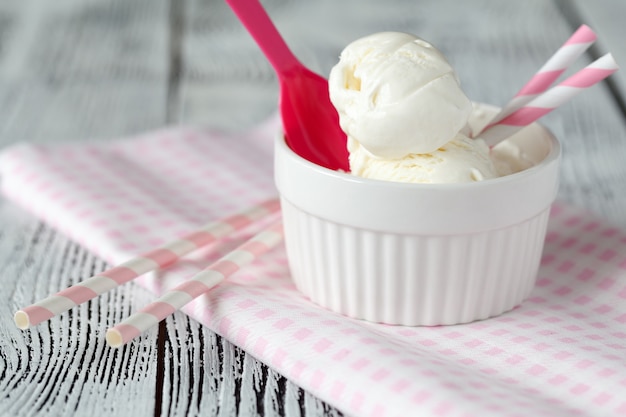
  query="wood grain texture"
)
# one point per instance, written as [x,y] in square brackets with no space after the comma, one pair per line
[64,75]
[64,368]
[97,69]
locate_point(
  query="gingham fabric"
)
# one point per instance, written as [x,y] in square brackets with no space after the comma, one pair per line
[562,353]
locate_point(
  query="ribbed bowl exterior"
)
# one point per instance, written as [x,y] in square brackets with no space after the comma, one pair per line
[407,279]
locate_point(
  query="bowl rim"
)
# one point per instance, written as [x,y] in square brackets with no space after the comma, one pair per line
[554,153]
[396,207]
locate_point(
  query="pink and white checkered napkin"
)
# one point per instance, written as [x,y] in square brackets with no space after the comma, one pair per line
[562,353]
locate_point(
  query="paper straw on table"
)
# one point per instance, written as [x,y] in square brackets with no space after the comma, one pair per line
[565,56]
[550,100]
[201,283]
[150,261]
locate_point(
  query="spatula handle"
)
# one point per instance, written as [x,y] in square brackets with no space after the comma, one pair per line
[256,20]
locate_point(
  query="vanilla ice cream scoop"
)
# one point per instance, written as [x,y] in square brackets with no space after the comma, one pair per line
[397,95]
[460,160]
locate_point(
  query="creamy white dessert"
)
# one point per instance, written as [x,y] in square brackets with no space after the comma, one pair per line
[460,160]
[406,117]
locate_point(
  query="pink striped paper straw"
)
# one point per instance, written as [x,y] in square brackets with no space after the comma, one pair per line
[202,282]
[157,258]
[550,100]
[565,56]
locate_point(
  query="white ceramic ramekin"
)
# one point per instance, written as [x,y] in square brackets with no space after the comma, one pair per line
[417,254]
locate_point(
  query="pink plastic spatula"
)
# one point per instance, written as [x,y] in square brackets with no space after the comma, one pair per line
[310,121]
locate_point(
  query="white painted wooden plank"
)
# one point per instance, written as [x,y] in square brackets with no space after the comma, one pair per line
[63,367]
[72,70]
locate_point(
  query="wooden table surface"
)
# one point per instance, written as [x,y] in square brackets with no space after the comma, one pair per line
[78,70]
